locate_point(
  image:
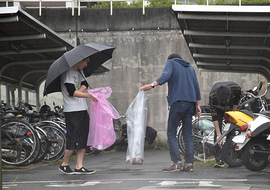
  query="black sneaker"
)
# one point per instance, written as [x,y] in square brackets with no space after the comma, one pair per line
[187,168]
[66,170]
[219,164]
[84,171]
[173,168]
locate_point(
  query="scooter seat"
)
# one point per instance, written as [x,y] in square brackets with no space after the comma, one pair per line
[249,113]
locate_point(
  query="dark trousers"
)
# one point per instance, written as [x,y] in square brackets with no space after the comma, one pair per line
[218,150]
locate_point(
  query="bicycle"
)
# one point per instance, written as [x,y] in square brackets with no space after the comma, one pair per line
[55,140]
[203,137]
[19,139]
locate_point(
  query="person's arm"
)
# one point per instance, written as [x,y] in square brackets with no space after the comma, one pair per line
[166,75]
[216,125]
[148,86]
[198,109]
[84,86]
[214,119]
[78,93]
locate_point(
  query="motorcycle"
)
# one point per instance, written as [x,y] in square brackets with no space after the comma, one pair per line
[249,104]
[254,142]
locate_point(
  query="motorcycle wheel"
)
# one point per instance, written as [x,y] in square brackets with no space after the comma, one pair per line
[254,162]
[230,155]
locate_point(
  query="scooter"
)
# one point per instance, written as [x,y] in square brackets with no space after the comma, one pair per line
[254,142]
[249,104]
[234,120]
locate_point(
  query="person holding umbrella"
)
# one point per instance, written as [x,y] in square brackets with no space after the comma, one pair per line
[67,75]
[76,116]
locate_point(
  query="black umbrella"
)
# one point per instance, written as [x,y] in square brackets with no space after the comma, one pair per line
[97,52]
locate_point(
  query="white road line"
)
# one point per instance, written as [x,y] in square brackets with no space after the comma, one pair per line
[207,184]
[81,184]
[167,183]
[131,179]
[158,183]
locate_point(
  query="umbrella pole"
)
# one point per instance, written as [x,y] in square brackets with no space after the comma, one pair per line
[85,79]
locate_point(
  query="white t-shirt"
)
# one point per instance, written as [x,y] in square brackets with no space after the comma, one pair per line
[72,103]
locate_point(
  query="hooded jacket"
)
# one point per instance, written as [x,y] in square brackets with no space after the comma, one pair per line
[182,81]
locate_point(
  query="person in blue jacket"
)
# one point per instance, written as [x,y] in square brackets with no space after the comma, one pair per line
[184,102]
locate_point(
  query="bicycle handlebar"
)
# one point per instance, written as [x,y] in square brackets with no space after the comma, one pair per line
[249,93]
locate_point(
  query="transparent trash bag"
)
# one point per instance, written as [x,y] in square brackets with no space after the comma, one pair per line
[101,131]
[136,118]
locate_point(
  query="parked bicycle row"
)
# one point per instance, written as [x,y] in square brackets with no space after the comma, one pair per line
[31,137]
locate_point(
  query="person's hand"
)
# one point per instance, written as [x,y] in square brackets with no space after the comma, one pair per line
[146,87]
[93,98]
[198,112]
[220,142]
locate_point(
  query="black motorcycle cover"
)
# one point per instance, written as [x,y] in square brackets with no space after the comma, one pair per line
[150,135]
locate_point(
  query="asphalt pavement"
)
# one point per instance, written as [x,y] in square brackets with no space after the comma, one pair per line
[113,172]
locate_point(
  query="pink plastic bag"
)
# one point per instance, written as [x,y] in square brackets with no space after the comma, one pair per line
[101,131]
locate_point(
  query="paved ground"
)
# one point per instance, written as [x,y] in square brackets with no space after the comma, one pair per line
[114,173]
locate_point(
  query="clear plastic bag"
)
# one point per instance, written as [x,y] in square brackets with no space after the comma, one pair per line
[101,131]
[136,118]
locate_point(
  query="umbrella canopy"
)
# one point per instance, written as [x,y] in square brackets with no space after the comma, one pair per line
[97,52]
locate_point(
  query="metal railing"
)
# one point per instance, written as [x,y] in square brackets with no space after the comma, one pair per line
[69,4]
[61,3]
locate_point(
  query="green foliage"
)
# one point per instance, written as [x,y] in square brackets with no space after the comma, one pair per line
[161,3]
[226,2]
[134,4]
[251,1]
[169,3]
[116,4]
[201,164]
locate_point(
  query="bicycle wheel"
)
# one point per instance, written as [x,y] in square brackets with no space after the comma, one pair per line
[44,144]
[19,142]
[203,145]
[57,141]
[203,141]
[37,151]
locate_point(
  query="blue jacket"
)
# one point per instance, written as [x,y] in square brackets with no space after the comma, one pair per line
[182,81]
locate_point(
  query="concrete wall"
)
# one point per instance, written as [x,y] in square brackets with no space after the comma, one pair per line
[143,44]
